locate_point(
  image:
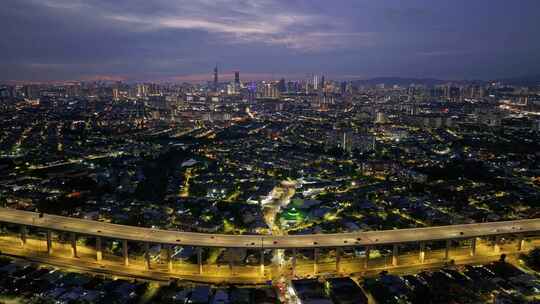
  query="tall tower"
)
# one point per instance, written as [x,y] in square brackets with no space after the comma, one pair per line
[216,78]
[236,82]
[115,94]
[346,141]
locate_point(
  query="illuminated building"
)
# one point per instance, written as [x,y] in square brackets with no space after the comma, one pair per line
[142,90]
[115,94]
[237,80]
[269,90]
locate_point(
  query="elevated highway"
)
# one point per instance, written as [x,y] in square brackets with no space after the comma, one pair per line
[487,237]
[370,238]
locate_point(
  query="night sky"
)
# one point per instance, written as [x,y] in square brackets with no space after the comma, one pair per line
[177,40]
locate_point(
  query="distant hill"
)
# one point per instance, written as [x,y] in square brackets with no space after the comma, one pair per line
[399,81]
[530,80]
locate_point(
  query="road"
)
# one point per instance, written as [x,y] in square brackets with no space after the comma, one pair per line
[279,198]
[371,238]
[35,250]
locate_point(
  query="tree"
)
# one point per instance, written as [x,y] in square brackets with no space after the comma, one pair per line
[533,259]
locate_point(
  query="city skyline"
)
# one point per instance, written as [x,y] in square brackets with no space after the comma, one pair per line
[270,151]
[181,41]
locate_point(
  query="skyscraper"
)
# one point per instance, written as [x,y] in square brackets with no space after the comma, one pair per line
[31,91]
[346,141]
[142,90]
[216,78]
[236,82]
[115,94]
[343,87]
[269,90]
[282,87]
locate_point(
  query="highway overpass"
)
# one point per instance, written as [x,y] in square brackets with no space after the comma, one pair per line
[147,236]
[371,238]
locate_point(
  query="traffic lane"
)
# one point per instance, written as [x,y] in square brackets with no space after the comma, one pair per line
[370,238]
[130,233]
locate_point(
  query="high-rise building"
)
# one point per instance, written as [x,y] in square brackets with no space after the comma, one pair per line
[252,91]
[346,141]
[237,86]
[142,90]
[231,88]
[349,88]
[269,90]
[315,82]
[282,87]
[293,87]
[32,91]
[73,90]
[343,87]
[115,94]
[5,92]
[380,118]
[216,87]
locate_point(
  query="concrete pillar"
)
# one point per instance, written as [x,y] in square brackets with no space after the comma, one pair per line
[146,255]
[473,247]
[99,254]
[261,262]
[49,242]
[366,260]
[231,261]
[447,249]
[496,244]
[315,261]
[73,245]
[199,259]
[168,253]
[24,234]
[275,253]
[338,259]
[520,243]
[395,253]
[294,262]
[125,253]
[422,254]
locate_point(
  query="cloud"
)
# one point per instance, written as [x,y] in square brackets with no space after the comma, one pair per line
[317,41]
[214,26]
[268,22]
[441,53]
[159,39]
[63,4]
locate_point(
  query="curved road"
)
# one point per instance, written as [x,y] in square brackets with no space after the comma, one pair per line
[371,238]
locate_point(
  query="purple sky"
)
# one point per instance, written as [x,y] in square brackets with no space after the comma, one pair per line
[344,39]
